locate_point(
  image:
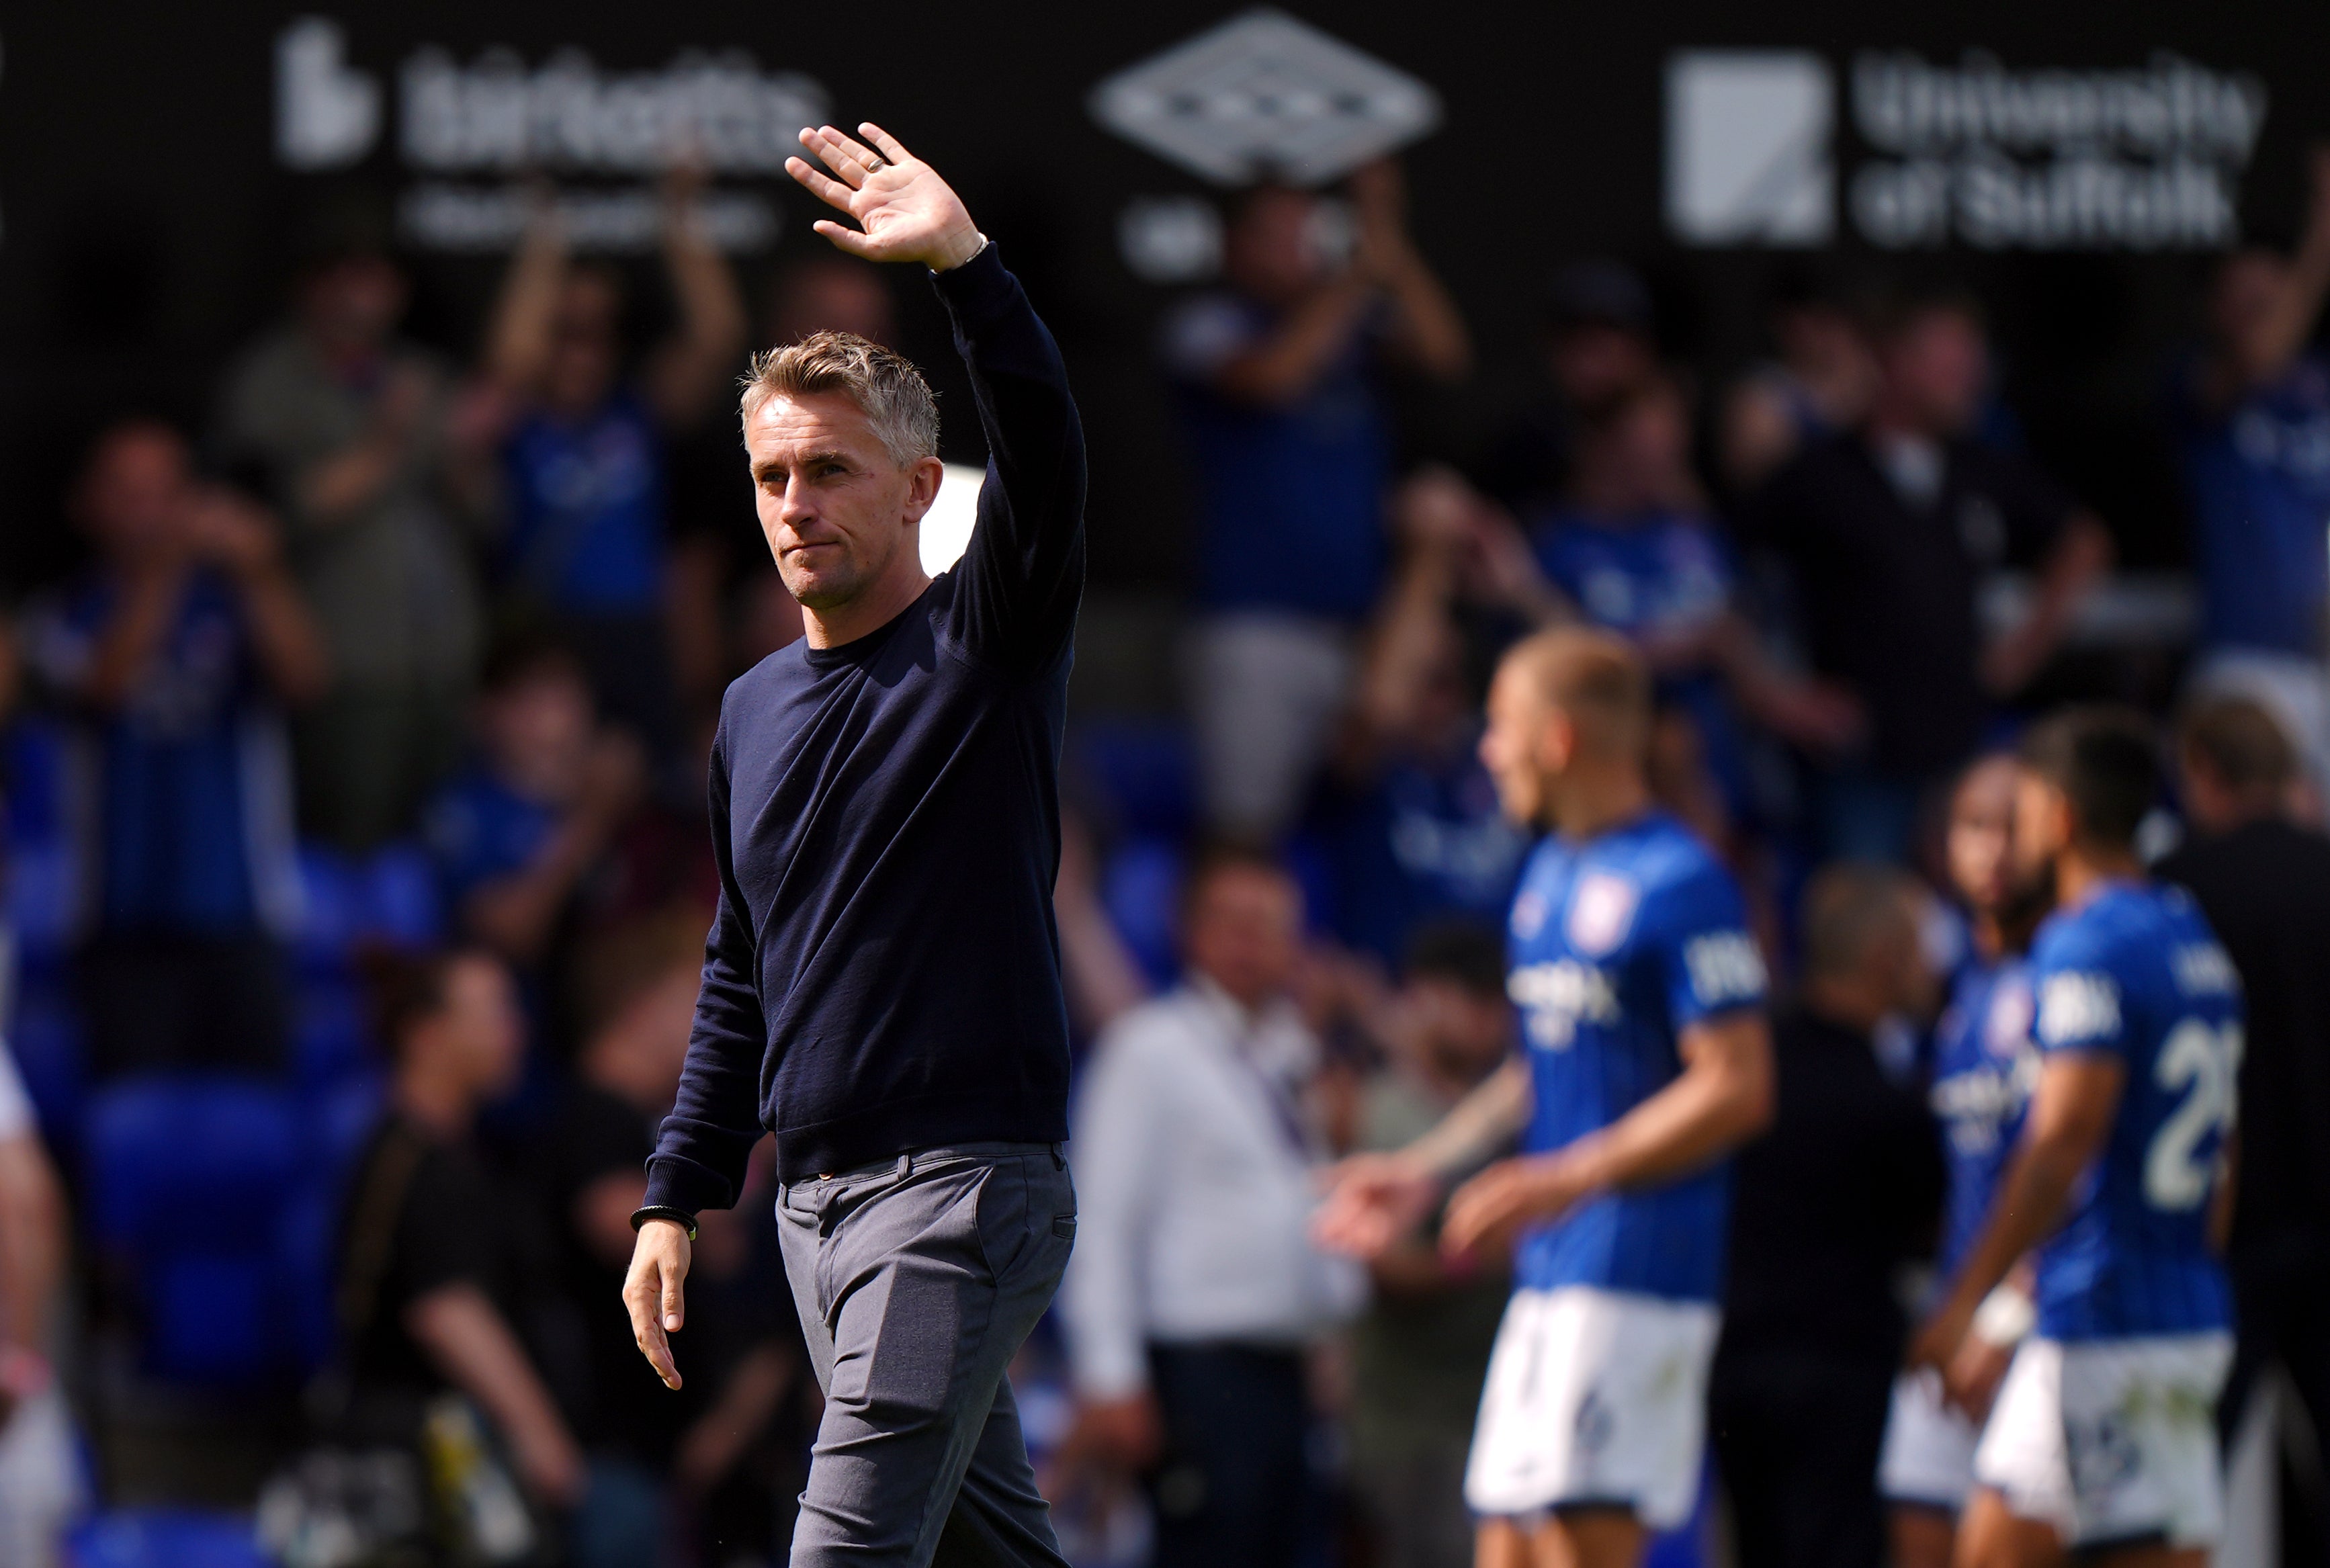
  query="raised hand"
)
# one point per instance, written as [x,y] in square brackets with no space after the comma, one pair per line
[904,211]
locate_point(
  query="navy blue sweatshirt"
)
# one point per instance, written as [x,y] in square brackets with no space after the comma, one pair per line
[883,974]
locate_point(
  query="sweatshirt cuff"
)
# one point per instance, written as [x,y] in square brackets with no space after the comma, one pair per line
[675,1182]
[978,287]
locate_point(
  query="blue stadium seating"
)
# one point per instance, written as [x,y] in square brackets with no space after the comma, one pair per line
[189,1176]
[45,1039]
[221,1196]
[1139,886]
[1144,771]
[165,1538]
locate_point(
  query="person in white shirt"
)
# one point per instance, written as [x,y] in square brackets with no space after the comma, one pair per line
[1195,1289]
[40,1482]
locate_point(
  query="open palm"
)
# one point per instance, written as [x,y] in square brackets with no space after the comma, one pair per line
[904,211]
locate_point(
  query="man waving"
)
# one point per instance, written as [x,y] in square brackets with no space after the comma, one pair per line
[881,985]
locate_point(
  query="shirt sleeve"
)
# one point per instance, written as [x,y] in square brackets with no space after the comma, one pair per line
[1019,580]
[1116,1157]
[2081,1004]
[1709,964]
[441,1235]
[707,1139]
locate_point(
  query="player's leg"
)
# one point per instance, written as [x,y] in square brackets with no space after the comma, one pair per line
[1990,1535]
[1589,1538]
[923,1278]
[1501,1542]
[1925,1471]
[1921,1537]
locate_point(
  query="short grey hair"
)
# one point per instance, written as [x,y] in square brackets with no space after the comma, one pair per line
[886,388]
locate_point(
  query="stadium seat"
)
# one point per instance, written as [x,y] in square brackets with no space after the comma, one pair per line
[41,897]
[1145,772]
[336,1122]
[332,909]
[400,902]
[46,1039]
[189,1177]
[331,1037]
[165,1538]
[1139,886]
[32,761]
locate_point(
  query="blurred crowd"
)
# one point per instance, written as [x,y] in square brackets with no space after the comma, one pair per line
[359,878]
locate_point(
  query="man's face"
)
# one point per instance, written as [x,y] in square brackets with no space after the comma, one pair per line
[2042,831]
[1465,1032]
[483,1026]
[1273,252]
[1937,366]
[1520,748]
[585,345]
[1595,362]
[2248,288]
[836,507]
[1980,836]
[1245,932]
[354,304]
[538,729]
[132,497]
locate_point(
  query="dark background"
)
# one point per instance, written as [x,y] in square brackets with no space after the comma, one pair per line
[148,227]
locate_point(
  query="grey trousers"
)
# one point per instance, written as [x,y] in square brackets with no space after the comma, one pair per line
[917,1281]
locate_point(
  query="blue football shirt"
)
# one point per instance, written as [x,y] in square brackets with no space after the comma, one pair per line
[1985,1065]
[479,828]
[1290,496]
[586,501]
[2136,973]
[1619,944]
[189,825]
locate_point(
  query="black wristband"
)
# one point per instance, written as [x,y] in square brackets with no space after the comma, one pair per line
[679,1217]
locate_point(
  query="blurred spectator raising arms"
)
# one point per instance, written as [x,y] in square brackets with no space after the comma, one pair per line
[1633,547]
[583,463]
[1890,532]
[1292,456]
[1599,345]
[1420,1351]
[2255,413]
[1409,815]
[41,1487]
[1829,1204]
[2264,882]
[1194,1291]
[1821,383]
[379,470]
[175,657]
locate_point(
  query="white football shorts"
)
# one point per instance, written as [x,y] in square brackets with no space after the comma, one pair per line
[1594,1398]
[2113,1439]
[1930,1443]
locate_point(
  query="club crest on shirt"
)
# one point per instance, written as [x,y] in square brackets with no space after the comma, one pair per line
[2007,1030]
[1528,914]
[1600,910]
